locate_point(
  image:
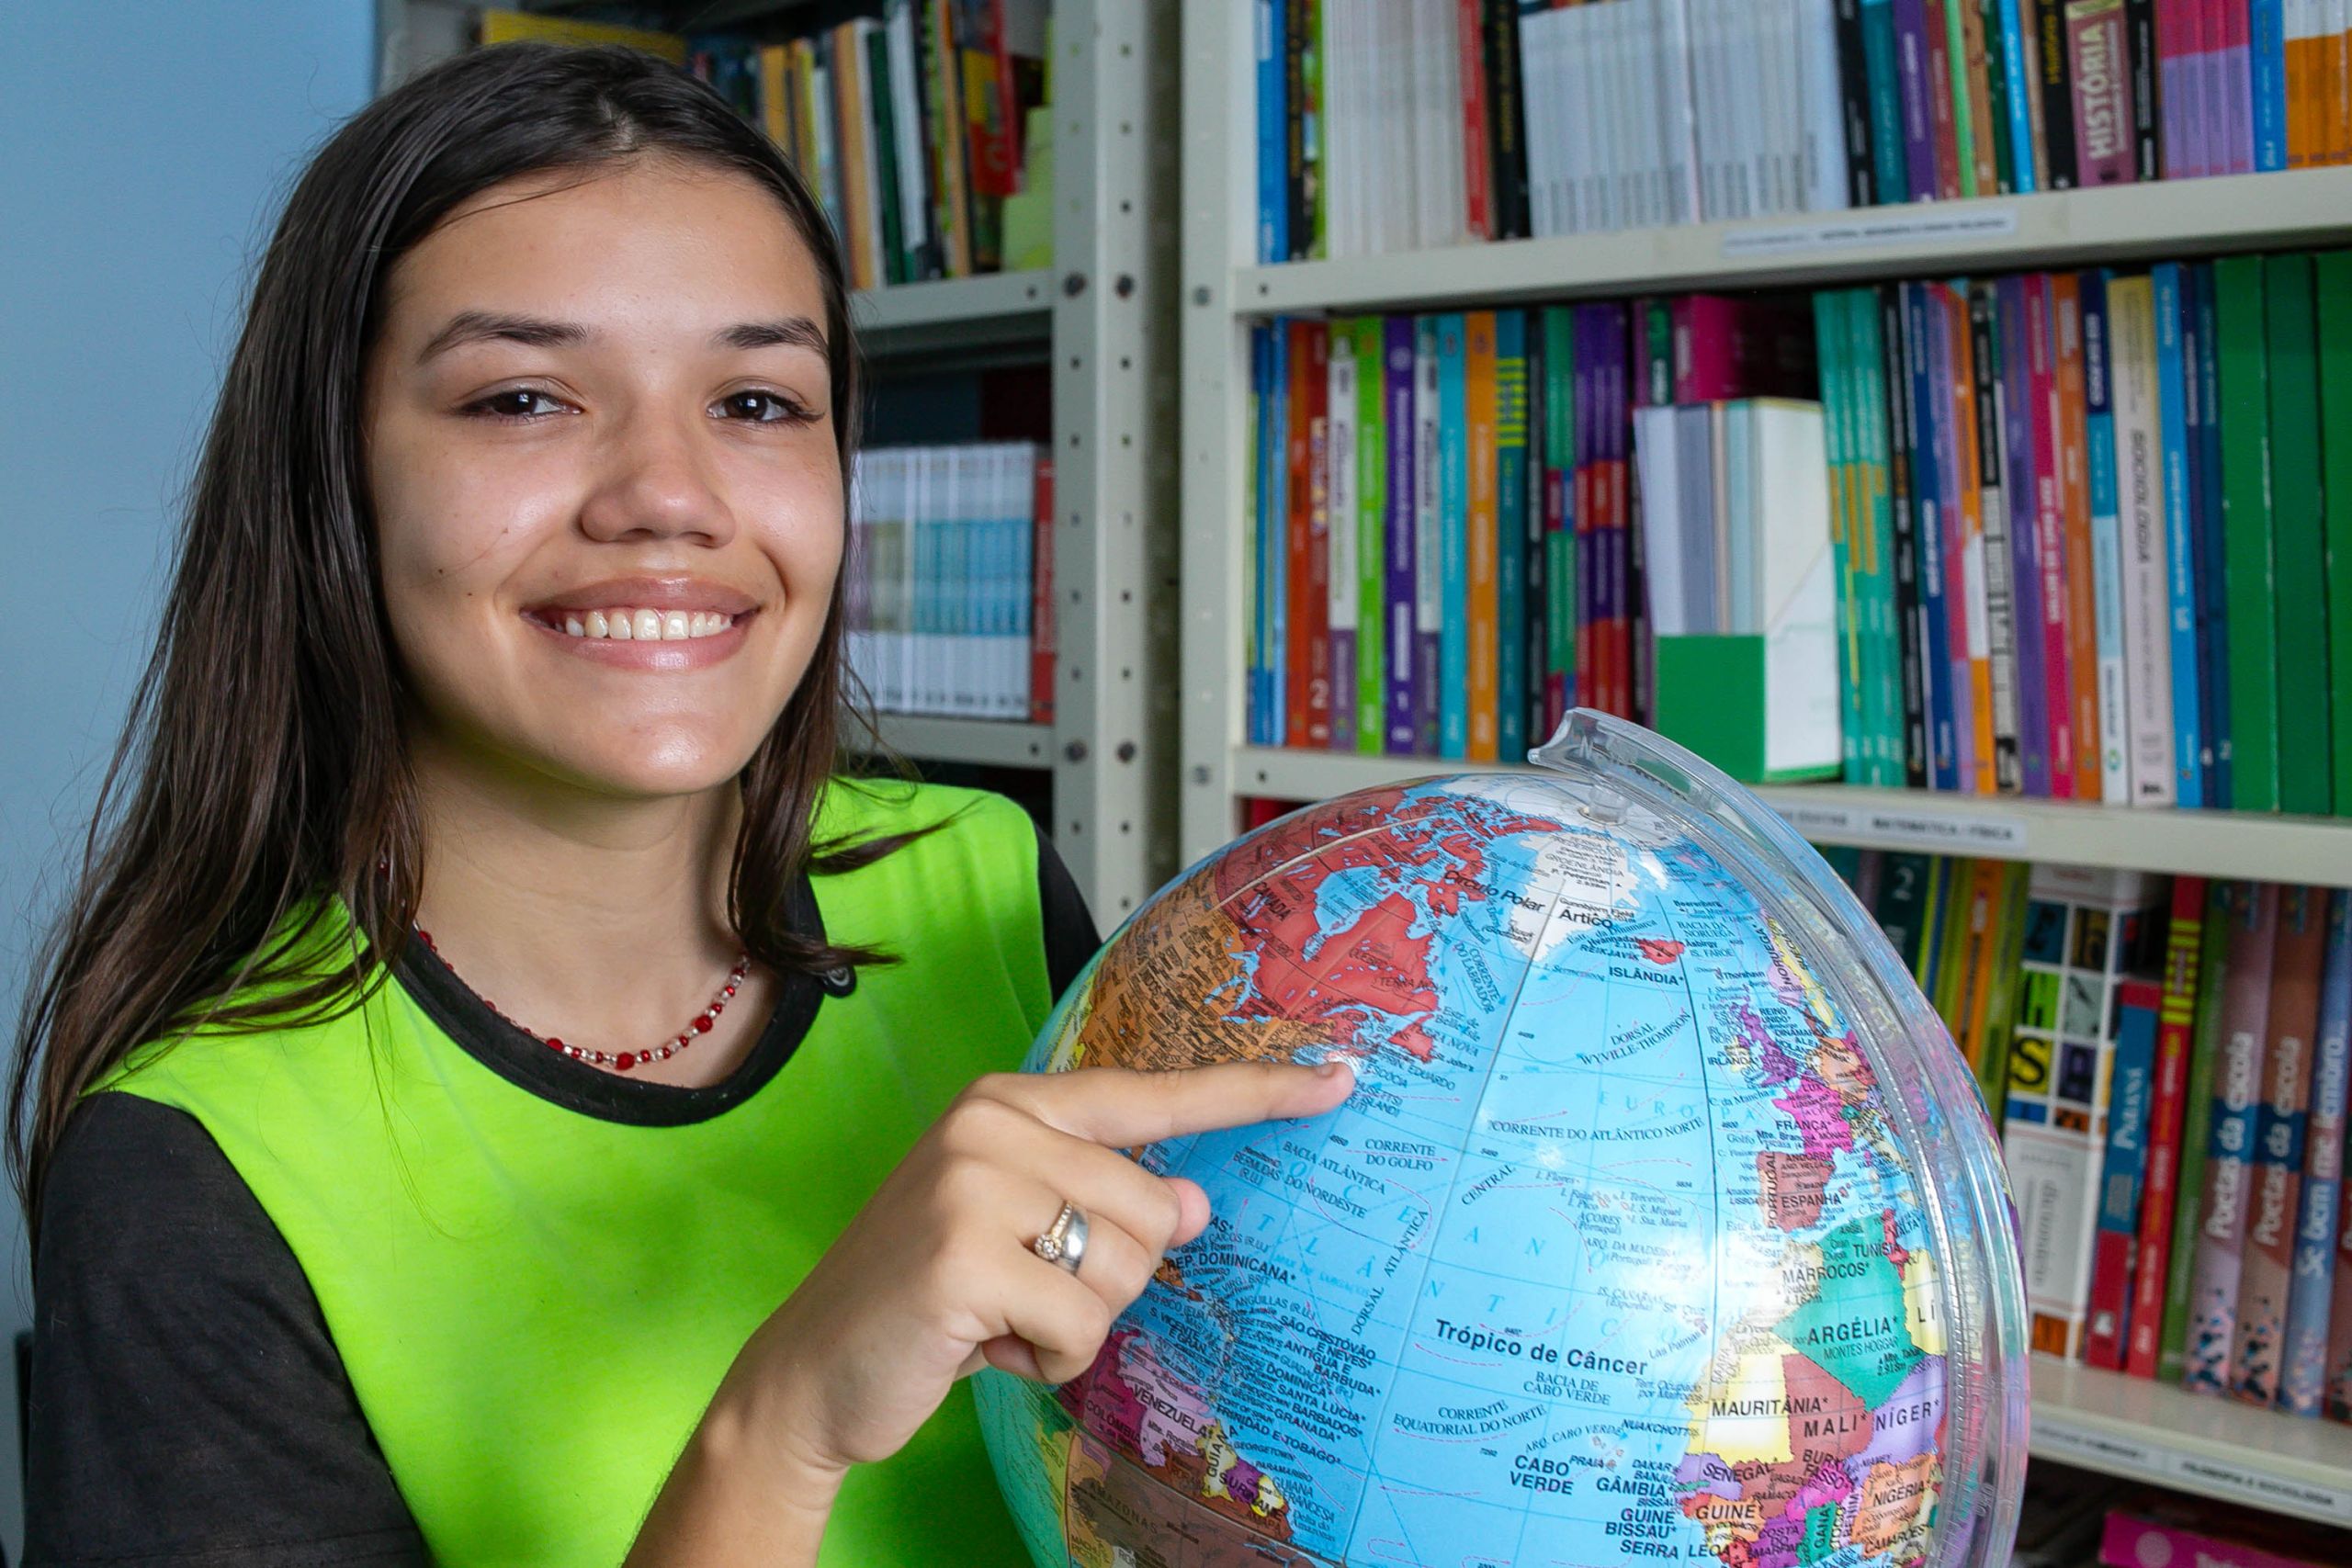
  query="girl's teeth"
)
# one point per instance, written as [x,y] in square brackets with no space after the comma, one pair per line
[645,625]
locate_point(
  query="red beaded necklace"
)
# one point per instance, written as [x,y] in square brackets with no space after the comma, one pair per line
[626,1061]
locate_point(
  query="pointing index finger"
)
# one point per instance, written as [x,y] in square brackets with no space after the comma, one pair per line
[1121,1107]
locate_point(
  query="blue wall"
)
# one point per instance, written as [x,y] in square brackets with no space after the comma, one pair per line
[144,145]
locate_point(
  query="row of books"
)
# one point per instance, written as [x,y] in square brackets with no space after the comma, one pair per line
[2077,1519]
[925,132]
[2091,533]
[948,603]
[1387,125]
[2167,1060]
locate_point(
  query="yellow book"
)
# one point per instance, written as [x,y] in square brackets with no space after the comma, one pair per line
[776,97]
[524,27]
[1483,626]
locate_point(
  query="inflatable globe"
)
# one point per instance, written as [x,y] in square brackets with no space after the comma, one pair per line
[1663,1224]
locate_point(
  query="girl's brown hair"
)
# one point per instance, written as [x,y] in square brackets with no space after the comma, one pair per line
[263,762]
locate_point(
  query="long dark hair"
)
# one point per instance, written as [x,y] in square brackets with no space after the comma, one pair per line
[263,762]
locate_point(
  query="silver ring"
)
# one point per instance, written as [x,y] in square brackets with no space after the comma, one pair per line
[1064,1241]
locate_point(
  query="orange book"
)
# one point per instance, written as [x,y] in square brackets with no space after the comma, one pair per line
[1963,393]
[2069,419]
[1977,948]
[851,146]
[2335,88]
[949,179]
[1482,560]
[2306,117]
[776,97]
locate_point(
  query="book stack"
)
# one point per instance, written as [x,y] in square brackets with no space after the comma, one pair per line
[1445,555]
[910,128]
[1388,125]
[2098,532]
[2091,532]
[948,602]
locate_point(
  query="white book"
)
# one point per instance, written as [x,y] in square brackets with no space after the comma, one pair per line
[913,193]
[1616,135]
[1721,180]
[1797,586]
[1677,121]
[1395,191]
[1570,36]
[1431,86]
[1542,146]
[1582,85]
[1664,548]
[2140,497]
[1824,116]
[1645,122]
[1338,124]
[1768,90]
[1340,487]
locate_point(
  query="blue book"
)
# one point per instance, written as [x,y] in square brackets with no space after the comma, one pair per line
[1273,134]
[2212,595]
[2019,83]
[2125,1170]
[1886,101]
[1920,330]
[2180,548]
[2106,542]
[2303,1380]
[1453,538]
[1398,559]
[1510,532]
[2268,66]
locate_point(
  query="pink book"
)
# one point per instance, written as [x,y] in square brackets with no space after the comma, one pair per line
[1727,348]
[2269,1266]
[2050,534]
[2177,34]
[2102,76]
[2229,26]
[2252,910]
[2134,1541]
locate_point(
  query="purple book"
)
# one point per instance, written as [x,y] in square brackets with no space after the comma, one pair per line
[2018,471]
[1591,329]
[1428,600]
[1397,596]
[1911,75]
[2179,89]
[2232,70]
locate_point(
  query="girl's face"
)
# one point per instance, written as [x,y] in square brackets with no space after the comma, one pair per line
[601,450]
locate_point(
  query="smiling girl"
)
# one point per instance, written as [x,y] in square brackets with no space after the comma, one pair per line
[508,610]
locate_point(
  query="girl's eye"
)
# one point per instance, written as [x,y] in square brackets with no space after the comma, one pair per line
[516,403]
[757,407]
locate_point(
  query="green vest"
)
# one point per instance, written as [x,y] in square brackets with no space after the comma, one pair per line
[535,1305]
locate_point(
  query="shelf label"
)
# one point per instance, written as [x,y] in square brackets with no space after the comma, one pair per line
[1894,229]
[1943,832]
[2261,1489]
[2095,1447]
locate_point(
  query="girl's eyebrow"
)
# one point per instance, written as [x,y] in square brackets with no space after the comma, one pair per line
[539,331]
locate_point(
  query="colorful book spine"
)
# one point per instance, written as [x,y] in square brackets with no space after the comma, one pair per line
[1371,459]
[2196,1121]
[1836,398]
[2176,1014]
[1560,581]
[2267,69]
[2080,599]
[2055,85]
[1964,534]
[2006,410]
[1510,530]
[2180,555]
[1429,537]
[1874,534]
[2147,89]
[2148,646]
[1306,700]
[2107,540]
[2099,56]
[2049,527]
[1916,94]
[1854,103]
[2248,587]
[2021,87]
[2252,914]
[1883,72]
[1892,391]
[1943,615]
[2277,1176]
[2122,1173]
[1400,595]
[1479,617]
[1043,643]
[2302,1386]
[1343,578]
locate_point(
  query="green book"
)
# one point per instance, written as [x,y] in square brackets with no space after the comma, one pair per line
[2007,950]
[1874,533]
[1837,399]
[2248,585]
[2300,552]
[1965,129]
[1928,940]
[1559,537]
[1996,82]
[2196,1120]
[1950,977]
[2335,280]
[1371,539]
[882,114]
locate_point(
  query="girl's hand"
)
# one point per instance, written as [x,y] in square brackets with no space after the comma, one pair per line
[936,1275]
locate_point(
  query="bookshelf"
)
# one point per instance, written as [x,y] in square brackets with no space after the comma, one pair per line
[1104,317]
[2101,1420]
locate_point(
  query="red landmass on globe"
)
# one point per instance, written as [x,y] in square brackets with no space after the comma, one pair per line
[1271,888]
